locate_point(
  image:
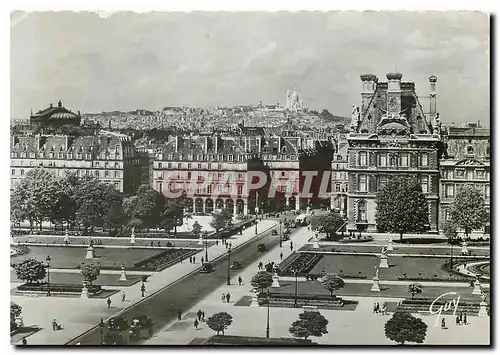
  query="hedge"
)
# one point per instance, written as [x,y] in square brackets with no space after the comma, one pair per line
[63,288]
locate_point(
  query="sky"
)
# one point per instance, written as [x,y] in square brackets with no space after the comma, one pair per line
[200,59]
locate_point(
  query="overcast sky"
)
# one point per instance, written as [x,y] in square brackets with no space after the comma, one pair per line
[130,61]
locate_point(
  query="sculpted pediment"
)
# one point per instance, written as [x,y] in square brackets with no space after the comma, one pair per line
[469,162]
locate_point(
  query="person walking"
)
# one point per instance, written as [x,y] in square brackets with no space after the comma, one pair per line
[190,259]
[291,246]
[202,260]
[123,296]
[240,280]
[465,318]
[151,243]
[143,289]
[159,245]
[179,314]
[196,323]
[443,324]
[54,325]
[223,298]
[202,316]
[217,242]
[281,256]
[199,314]
[194,259]
[457,320]
[374,307]
[109,302]
[228,297]
[260,265]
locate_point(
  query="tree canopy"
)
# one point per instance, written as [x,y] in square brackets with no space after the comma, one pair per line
[327,223]
[415,289]
[403,327]
[219,322]
[309,324]
[402,207]
[90,271]
[332,283]
[221,220]
[468,209]
[30,270]
[262,280]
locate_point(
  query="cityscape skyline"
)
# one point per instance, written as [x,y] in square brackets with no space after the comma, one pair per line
[262,56]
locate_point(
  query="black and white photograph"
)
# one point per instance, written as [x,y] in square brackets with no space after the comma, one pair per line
[250,178]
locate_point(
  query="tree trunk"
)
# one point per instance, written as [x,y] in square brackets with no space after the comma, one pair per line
[401,236]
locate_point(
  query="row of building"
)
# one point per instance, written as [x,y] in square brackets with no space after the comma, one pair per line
[390,134]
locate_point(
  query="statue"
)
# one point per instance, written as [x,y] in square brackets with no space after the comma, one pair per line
[91,242]
[384,250]
[483,297]
[354,117]
[376,272]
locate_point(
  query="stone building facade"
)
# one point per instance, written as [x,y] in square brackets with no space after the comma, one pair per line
[390,135]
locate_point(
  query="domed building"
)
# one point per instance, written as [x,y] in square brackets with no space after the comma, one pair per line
[55,116]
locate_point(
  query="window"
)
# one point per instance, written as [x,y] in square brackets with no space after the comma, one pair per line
[117,186]
[424,159]
[219,166]
[200,157]
[460,174]
[106,174]
[240,176]
[199,166]
[487,191]
[189,175]
[117,174]
[362,183]
[404,159]
[160,166]
[190,156]
[230,157]
[220,157]
[362,211]
[382,181]
[424,182]
[479,174]
[178,165]
[189,166]
[362,158]
[169,165]
[209,189]
[337,187]
[450,190]
[117,166]
[383,159]
[470,150]
[240,189]
[393,160]
[13,171]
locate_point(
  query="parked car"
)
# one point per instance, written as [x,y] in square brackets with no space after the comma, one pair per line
[235,265]
[287,231]
[285,237]
[141,327]
[273,214]
[261,247]
[207,267]
[274,232]
[118,324]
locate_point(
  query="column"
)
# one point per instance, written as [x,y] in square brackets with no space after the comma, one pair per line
[297,203]
[234,207]
[287,201]
[204,205]
[194,205]
[332,202]
[245,207]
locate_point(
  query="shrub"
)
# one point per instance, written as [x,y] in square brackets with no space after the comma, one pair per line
[30,270]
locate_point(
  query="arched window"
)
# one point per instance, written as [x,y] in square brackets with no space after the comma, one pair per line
[362,211]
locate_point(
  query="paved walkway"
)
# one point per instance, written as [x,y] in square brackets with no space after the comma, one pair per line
[343,328]
[77,315]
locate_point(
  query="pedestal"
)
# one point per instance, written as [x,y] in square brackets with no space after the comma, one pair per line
[123,275]
[389,244]
[316,244]
[477,288]
[255,301]
[90,253]
[384,263]
[375,286]
[276,281]
[464,248]
[85,291]
[200,241]
[483,309]
[19,321]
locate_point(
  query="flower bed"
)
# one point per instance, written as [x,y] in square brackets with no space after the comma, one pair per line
[362,239]
[19,250]
[302,264]
[58,288]
[164,259]
[252,341]
[287,300]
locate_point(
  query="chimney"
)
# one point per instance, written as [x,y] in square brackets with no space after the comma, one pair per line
[59,104]
[216,143]
[368,86]
[176,144]
[394,92]
[432,108]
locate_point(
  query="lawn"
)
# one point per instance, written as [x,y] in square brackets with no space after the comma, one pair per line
[367,248]
[71,257]
[365,266]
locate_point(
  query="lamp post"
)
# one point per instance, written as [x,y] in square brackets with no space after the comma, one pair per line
[451,256]
[101,329]
[205,235]
[268,303]
[229,266]
[256,216]
[296,287]
[48,274]
[281,243]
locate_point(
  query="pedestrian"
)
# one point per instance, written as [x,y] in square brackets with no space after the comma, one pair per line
[109,302]
[151,243]
[457,320]
[143,289]
[291,246]
[230,245]
[199,314]
[179,314]
[159,245]
[202,316]
[377,308]
[217,242]
[224,298]
[465,318]
[194,260]
[240,280]
[123,296]
[54,325]
[281,256]
[443,324]
[228,297]
[202,260]
[260,265]
[190,259]
[196,323]
[384,309]
[24,341]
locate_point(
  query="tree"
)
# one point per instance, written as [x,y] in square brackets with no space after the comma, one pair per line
[403,327]
[66,206]
[15,311]
[30,270]
[196,229]
[415,289]
[468,210]
[220,220]
[262,280]
[172,214]
[402,207]
[219,322]
[90,271]
[149,206]
[327,223]
[450,232]
[309,324]
[92,200]
[332,283]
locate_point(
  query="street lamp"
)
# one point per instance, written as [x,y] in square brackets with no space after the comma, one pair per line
[296,287]
[229,266]
[48,274]
[268,303]
[101,329]
[205,234]
[256,217]
[281,243]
